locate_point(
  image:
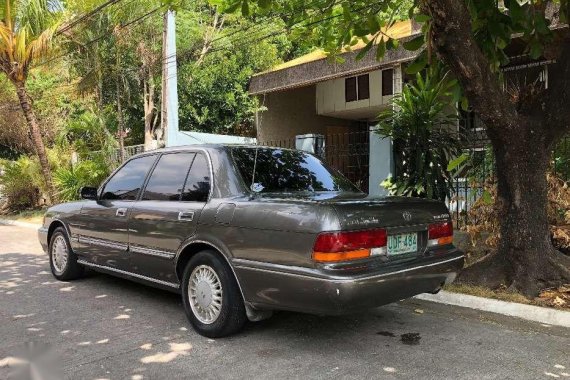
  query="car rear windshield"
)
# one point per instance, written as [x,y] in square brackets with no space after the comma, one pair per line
[285,171]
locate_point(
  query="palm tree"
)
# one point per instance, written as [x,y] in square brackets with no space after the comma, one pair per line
[27,30]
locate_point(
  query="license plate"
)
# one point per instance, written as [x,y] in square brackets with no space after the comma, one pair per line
[402,243]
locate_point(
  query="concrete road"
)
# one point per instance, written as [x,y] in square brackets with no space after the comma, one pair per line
[107,328]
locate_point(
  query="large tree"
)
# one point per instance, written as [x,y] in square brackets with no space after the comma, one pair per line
[27,28]
[524,123]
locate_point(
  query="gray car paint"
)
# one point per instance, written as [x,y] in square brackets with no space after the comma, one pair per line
[267,239]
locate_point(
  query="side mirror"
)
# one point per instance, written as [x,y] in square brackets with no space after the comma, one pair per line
[88,193]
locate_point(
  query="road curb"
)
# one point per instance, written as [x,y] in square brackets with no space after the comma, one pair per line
[17,223]
[529,312]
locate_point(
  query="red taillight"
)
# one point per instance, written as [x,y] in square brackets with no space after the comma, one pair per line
[440,233]
[342,246]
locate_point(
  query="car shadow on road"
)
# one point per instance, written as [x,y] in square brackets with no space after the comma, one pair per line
[24,273]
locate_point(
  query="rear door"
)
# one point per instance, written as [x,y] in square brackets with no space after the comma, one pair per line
[103,224]
[167,213]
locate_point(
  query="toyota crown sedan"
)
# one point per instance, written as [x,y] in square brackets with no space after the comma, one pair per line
[241,231]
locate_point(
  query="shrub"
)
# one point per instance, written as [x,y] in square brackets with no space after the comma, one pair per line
[20,190]
[422,126]
[69,180]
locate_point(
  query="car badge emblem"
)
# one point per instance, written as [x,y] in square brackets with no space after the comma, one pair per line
[407,216]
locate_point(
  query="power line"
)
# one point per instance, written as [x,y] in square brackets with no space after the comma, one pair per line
[103,35]
[276,33]
[260,29]
[85,16]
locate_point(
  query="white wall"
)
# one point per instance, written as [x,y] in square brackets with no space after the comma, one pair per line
[178,138]
[331,95]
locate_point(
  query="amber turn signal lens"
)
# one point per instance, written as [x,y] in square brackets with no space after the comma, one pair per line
[445,240]
[333,257]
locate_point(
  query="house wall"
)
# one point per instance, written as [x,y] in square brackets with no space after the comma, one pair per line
[331,95]
[294,112]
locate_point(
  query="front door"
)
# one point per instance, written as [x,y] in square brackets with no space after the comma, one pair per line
[167,213]
[103,232]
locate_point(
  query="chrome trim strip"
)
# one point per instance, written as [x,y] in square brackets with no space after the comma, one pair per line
[102,243]
[152,252]
[139,276]
[309,273]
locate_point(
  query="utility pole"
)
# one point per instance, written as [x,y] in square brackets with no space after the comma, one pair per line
[169,104]
[121,129]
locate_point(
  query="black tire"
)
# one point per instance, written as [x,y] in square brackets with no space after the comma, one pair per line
[232,316]
[71,270]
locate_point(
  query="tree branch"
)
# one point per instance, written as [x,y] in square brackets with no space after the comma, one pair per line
[453,41]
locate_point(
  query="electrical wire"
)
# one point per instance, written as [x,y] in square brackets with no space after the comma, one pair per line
[85,16]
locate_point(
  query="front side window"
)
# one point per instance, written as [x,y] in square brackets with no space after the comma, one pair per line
[167,178]
[285,171]
[127,182]
[197,187]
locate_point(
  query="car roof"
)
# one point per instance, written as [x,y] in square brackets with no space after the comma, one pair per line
[216,146]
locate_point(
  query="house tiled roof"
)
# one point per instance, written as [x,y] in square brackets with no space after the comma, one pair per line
[316,67]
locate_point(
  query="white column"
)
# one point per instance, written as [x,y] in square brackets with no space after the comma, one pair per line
[381,162]
[170,81]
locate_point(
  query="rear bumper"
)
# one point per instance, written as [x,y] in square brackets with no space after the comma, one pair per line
[268,286]
[43,238]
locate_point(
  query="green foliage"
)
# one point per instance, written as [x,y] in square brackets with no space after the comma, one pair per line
[422,128]
[69,180]
[19,184]
[87,133]
[214,97]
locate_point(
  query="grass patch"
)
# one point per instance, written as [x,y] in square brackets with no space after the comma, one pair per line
[28,216]
[481,291]
[554,298]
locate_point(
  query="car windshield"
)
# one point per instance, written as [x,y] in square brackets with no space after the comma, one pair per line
[286,171]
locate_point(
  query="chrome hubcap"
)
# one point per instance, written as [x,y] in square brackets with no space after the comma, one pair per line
[59,254]
[205,294]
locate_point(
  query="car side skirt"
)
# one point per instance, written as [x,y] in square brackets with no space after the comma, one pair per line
[132,276]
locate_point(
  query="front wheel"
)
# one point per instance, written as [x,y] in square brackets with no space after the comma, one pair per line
[211,296]
[62,259]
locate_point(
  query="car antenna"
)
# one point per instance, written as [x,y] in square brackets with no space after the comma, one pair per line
[252,187]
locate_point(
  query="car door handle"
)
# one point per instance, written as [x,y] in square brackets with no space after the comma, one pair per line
[121,212]
[187,216]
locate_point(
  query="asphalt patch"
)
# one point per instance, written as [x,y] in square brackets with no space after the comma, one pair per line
[411,338]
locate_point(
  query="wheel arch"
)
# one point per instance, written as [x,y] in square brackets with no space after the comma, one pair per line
[192,248]
[55,223]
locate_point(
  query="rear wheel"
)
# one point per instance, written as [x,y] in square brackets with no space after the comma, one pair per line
[211,296]
[62,259]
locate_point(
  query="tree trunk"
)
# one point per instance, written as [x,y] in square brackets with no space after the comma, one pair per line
[36,137]
[522,140]
[526,261]
[149,109]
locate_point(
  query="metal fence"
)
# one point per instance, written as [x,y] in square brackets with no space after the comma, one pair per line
[113,157]
[469,186]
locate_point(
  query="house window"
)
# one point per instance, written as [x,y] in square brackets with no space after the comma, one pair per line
[350,91]
[388,82]
[357,88]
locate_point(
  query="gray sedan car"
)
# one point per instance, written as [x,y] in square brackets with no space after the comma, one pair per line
[241,231]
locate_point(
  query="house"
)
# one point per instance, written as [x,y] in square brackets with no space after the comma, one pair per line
[330,108]
[334,105]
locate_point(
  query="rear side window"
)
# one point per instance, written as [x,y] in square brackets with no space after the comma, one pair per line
[127,182]
[167,179]
[197,186]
